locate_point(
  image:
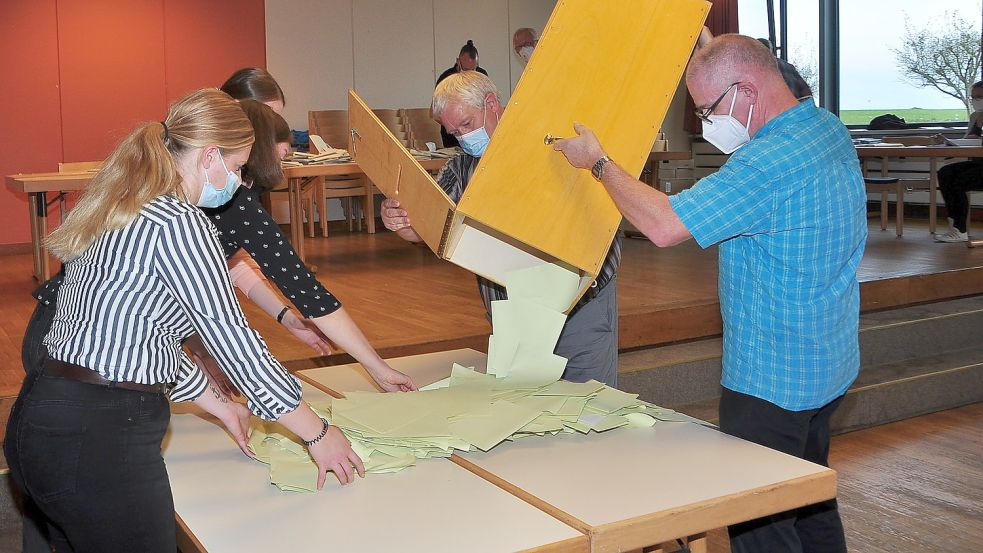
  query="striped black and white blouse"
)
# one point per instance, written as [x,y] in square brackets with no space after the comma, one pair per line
[135,294]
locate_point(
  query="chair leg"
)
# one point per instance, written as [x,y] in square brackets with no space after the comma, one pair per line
[324,211]
[310,220]
[899,210]
[883,210]
[969,212]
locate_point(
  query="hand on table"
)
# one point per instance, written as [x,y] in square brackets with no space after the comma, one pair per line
[236,421]
[582,150]
[392,380]
[334,453]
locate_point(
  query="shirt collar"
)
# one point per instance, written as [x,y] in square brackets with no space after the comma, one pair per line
[790,117]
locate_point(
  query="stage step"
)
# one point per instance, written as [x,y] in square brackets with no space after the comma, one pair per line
[914,360]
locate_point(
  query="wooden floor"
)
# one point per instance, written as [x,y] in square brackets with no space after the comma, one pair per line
[915,485]
[407,301]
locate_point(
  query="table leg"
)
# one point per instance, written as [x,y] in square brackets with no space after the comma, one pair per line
[933,184]
[38,204]
[369,206]
[294,187]
[32,208]
[697,543]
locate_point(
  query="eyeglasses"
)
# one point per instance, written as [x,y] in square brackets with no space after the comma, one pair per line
[704,113]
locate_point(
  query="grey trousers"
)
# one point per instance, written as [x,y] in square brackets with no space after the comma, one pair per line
[589,340]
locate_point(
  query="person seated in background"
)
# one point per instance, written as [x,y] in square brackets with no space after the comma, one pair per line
[524,42]
[467,60]
[956,179]
[469,105]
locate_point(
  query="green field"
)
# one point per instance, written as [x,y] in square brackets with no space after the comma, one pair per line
[914,115]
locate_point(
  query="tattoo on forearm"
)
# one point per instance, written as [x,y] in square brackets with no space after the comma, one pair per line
[218,395]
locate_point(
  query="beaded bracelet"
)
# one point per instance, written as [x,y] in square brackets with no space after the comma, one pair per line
[324,432]
[279,317]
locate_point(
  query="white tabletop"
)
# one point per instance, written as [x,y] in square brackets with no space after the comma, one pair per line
[424,369]
[228,504]
[629,488]
[638,476]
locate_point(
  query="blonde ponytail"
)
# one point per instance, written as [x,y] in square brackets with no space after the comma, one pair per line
[142,167]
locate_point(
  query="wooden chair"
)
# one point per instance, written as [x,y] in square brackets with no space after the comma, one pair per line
[886,184]
[332,126]
[393,121]
[422,128]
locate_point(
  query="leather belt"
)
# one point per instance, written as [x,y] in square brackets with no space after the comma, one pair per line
[591,293]
[61,369]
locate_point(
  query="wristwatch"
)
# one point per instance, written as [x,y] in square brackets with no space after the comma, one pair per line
[598,167]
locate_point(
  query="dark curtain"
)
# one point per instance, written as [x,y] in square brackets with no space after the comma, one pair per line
[722,20]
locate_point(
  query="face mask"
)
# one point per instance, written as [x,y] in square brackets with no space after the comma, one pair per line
[525,53]
[214,197]
[977,104]
[475,142]
[725,132]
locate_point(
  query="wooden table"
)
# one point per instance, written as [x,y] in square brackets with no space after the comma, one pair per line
[933,153]
[626,488]
[37,186]
[223,502]
[310,178]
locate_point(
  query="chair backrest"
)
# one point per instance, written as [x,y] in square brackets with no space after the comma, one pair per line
[422,127]
[393,121]
[79,166]
[331,125]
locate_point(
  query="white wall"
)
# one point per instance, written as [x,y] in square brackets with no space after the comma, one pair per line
[389,51]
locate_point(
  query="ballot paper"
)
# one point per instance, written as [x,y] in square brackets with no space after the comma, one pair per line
[521,396]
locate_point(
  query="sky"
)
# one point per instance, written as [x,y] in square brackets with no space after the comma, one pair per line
[869,29]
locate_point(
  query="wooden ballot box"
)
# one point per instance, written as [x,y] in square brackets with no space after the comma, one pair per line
[613,66]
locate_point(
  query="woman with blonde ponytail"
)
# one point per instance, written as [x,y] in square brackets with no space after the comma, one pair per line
[143,271]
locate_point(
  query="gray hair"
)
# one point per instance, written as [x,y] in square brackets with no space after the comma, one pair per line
[467,88]
[729,58]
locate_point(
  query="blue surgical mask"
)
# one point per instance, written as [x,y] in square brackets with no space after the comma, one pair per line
[475,142]
[215,197]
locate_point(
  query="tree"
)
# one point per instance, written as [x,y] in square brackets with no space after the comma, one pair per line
[944,56]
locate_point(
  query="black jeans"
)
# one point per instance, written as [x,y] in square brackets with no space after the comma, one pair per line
[88,457]
[39,535]
[804,434]
[955,180]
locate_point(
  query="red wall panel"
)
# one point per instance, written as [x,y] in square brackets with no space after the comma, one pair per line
[78,75]
[204,42]
[112,72]
[30,119]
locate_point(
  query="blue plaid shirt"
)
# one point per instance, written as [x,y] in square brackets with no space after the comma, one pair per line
[789,212]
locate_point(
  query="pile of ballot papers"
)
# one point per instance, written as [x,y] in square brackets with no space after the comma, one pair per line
[521,396]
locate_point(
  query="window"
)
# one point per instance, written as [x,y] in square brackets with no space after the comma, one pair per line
[879,53]
[874,79]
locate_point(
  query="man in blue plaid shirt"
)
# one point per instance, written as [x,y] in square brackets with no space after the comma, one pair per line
[789,212]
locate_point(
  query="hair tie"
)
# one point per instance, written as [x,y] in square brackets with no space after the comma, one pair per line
[166,135]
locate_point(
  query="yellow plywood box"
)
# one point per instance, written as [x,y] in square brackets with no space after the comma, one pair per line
[394,171]
[613,66]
